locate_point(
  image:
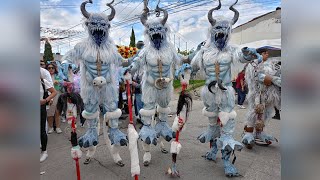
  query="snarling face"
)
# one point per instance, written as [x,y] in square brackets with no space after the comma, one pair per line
[220,29]
[155,29]
[98,25]
[220,33]
[157,34]
[98,28]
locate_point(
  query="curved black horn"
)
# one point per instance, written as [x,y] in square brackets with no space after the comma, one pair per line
[165,14]
[144,15]
[210,18]
[213,83]
[83,9]
[113,11]
[220,85]
[236,13]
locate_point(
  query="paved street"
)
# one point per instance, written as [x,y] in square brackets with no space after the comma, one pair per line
[259,163]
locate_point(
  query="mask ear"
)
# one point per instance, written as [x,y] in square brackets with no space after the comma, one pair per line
[109,25]
[166,29]
[86,23]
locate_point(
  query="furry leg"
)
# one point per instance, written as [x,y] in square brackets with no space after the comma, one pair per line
[115,135]
[228,144]
[162,146]
[113,149]
[229,169]
[212,155]
[147,134]
[92,150]
[90,138]
[147,154]
[162,128]
[213,130]
[248,138]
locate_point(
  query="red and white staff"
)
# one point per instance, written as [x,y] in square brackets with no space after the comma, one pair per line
[132,133]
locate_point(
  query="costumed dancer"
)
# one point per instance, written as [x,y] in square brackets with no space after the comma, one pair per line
[264,83]
[98,57]
[156,59]
[185,100]
[218,95]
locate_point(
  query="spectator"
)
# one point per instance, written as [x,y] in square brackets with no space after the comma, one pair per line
[52,113]
[46,75]
[42,64]
[45,86]
[138,104]
[240,86]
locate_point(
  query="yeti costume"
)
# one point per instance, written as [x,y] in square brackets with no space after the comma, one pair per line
[216,59]
[264,84]
[98,57]
[157,60]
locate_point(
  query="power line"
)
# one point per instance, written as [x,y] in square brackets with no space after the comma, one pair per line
[132,19]
[118,24]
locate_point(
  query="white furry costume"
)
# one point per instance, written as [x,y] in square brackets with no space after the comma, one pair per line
[98,58]
[262,99]
[157,60]
[216,59]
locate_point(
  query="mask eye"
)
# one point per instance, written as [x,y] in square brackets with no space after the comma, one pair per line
[103,24]
[159,28]
[93,23]
[218,27]
[151,29]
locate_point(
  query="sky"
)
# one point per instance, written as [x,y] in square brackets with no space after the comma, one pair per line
[187,19]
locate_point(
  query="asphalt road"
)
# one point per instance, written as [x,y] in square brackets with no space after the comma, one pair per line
[259,163]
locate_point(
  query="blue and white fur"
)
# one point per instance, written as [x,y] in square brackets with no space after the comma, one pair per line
[157,47]
[270,98]
[218,94]
[98,84]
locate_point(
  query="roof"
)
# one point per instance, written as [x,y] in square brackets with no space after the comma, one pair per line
[278,8]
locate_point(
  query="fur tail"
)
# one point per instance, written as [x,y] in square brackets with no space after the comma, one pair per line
[184,100]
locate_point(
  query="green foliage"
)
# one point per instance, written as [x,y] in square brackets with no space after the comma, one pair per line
[132,39]
[47,55]
[185,52]
[192,84]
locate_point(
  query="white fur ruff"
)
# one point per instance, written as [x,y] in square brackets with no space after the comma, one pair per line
[145,112]
[90,116]
[76,152]
[208,114]
[166,110]
[176,125]
[113,115]
[175,147]
[224,116]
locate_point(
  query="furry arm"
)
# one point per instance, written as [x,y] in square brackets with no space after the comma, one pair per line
[262,78]
[196,61]
[73,55]
[246,55]
[138,61]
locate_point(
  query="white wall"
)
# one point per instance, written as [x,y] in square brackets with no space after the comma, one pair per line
[265,27]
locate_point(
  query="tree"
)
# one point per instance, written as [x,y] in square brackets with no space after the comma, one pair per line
[132,39]
[47,55]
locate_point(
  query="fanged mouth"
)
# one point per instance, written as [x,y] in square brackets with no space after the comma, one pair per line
[98,35]
[156,36]
[157,40]
[219,36]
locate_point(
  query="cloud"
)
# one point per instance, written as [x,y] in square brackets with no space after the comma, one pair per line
[190,25]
